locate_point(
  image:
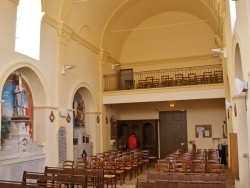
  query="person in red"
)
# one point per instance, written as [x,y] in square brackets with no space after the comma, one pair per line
[132,141]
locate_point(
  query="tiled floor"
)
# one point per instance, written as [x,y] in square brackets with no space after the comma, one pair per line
[142,176]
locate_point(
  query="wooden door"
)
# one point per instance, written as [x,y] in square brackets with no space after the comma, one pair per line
[173,131]
[146,132]
[125,76]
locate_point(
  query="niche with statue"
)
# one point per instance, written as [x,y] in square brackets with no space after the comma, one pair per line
[81,140]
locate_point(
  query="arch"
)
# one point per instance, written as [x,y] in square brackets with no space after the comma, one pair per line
[86,33]
[33,77]
[241,124]
[177,7]
[87,91]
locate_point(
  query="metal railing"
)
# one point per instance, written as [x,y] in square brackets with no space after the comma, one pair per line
[208,74]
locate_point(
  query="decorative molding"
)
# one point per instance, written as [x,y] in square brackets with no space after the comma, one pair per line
[15,2]
[218,41]
[66,32]
[104,55]
[63,36]
[85,43]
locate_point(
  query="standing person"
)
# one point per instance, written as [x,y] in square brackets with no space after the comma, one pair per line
[132,141]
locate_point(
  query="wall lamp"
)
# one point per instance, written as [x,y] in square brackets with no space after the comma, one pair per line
[228,104]
[219,51]
[240,86]
[67,67]
[115,65]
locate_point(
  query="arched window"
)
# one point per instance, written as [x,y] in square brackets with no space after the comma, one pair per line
[28,28]
[232,14]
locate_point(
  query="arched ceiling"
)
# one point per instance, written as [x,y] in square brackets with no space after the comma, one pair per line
[105,17]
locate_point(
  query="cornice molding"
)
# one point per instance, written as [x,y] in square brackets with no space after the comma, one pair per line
[15,2]
[104,55]
[85,43]
[165,61]
[66,32]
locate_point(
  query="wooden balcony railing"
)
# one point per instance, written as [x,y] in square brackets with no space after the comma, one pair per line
[209,74]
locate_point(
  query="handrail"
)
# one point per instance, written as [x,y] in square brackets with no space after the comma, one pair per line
[209,74]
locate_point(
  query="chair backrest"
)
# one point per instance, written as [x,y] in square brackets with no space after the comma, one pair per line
[43,178]
[68,164]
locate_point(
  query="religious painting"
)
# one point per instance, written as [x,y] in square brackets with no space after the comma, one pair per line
[9,110]
[79,110]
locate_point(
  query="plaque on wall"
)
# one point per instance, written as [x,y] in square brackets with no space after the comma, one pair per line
[62,144]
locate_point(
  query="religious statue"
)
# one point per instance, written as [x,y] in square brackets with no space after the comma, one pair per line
[80,114]
[19,108]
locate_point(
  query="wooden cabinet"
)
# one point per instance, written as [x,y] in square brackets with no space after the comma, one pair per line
[146,132]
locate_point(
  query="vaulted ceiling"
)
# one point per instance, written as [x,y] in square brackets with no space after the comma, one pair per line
[108,23]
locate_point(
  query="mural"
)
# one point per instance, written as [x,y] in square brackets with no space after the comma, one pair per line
[79,110]
[8,109]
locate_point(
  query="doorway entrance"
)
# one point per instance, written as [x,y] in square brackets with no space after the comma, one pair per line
[173,131]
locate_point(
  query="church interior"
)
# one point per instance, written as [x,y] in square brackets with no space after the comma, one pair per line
[78,77]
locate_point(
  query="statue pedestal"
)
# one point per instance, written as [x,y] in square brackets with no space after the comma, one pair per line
[19,129]
[19,152]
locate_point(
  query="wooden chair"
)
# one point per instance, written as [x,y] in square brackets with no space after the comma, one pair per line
[162,167]
[110,173]
[130,84]
[179,79]
[145,160]
[141,84]
[80,164]
[128,166]
[198,168]
[192,79]
[216,168]
[207,78]
[68,164]
[218,77]
[166,81]
[180,167]
[40,178]
[144,184]
[18,184]
[149,81]
[120,171]
[68,180]
[95,177]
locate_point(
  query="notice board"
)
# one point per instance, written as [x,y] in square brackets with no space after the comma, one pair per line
[203,131]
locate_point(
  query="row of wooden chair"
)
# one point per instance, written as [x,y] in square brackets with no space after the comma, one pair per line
[19,184]
[116,166]
[59,179]
[179,80]
[179,184]
[183,167]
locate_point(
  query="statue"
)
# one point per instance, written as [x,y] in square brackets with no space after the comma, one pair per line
[80,116]
[19,107]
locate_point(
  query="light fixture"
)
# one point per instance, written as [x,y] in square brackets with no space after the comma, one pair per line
[115,65]
[240,86]
[228,104]
[67,67]
[171,105]
[63,112]
[219,51]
